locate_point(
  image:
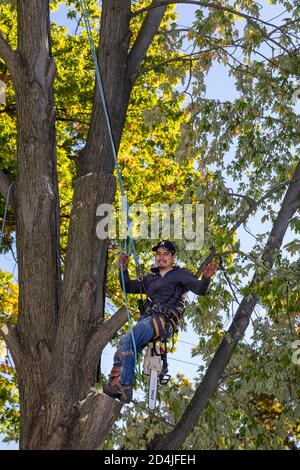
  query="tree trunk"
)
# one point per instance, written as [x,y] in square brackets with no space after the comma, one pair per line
[36,200]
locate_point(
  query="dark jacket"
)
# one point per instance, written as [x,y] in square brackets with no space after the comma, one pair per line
[160,288]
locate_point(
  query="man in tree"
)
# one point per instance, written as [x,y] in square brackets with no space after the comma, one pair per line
[166,287]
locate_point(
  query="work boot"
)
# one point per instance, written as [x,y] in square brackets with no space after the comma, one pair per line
[117,390]
[114,375]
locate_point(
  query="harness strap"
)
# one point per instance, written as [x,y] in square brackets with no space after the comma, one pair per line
[159,325]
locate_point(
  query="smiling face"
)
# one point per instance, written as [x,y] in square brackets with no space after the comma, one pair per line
[164,259]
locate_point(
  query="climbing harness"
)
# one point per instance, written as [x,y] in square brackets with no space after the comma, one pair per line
[166,316]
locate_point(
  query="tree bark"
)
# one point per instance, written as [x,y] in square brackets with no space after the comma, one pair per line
[209,384]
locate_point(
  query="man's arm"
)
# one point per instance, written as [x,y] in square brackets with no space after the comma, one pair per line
[199,286]
[132,286]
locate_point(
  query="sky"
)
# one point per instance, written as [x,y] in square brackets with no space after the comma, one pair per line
[181,361]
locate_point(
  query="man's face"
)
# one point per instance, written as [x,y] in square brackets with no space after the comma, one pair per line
[163,258]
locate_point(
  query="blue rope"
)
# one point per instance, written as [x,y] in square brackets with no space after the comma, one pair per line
[128,313]
[114,152]
[5,213]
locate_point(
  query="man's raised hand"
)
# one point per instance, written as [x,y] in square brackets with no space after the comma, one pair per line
[123,261]
[209,270]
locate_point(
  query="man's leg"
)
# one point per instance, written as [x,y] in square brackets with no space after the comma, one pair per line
[143,332]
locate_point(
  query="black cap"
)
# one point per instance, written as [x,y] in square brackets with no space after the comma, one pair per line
[167,245]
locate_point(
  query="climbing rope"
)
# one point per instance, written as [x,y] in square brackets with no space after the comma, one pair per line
[114,152]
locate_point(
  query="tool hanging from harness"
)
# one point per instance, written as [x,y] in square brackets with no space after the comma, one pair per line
[156,366]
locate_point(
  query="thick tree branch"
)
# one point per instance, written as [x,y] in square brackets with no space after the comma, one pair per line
[9,57]
[210,382]
[113,325]
[145,38]
[4,187]
[102,335]
[9,334]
